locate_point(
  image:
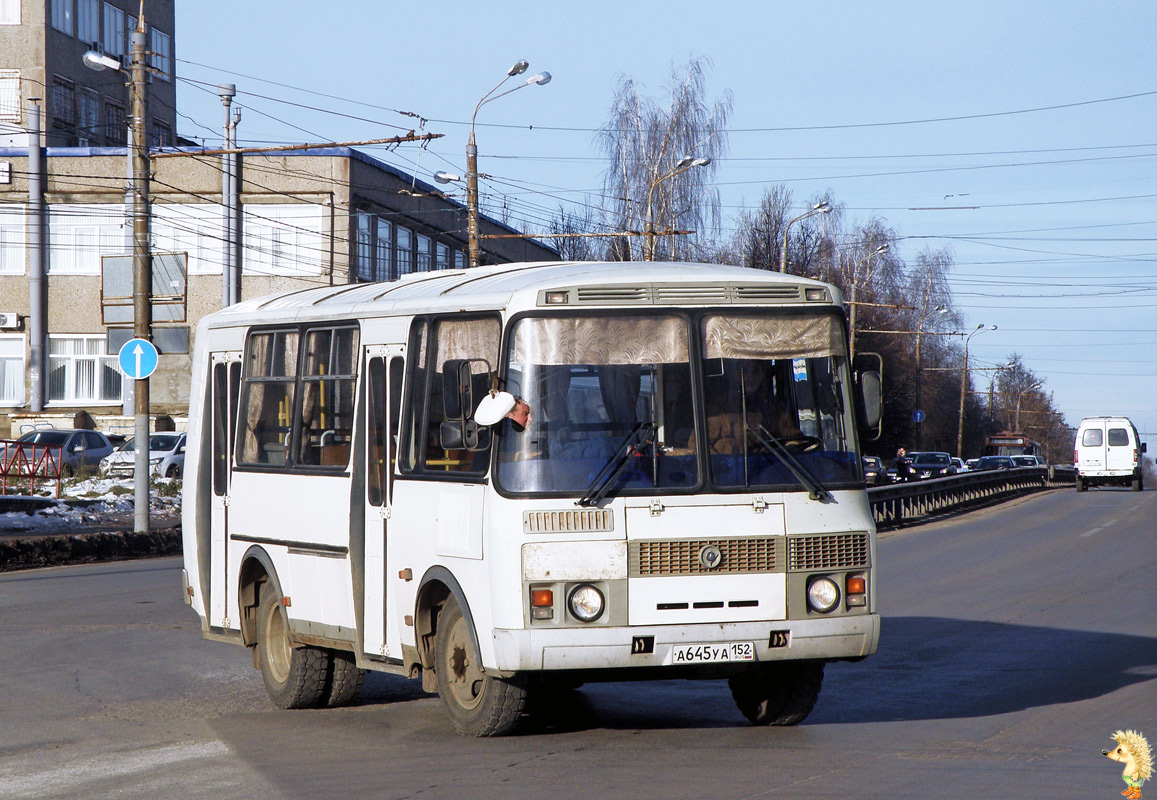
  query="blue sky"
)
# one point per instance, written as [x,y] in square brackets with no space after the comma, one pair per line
[1044,120]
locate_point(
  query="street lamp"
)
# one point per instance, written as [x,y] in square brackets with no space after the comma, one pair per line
[142,275]
[963,384]
[1016,425]
[919,413]
[819,208]
[684,164]
[992,384]
[855,284]
[540,79]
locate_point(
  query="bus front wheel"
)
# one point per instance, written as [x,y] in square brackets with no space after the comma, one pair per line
[295,677]
[478,704]
[778,694]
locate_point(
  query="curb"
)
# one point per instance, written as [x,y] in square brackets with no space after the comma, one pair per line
[36,551]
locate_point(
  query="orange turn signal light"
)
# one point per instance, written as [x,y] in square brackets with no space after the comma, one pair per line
[856,585]
[541,597]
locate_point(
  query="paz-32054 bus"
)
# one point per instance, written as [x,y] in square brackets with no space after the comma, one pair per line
[513,478]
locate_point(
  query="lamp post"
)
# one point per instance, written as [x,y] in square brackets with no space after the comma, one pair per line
[992,384]
[963,385]
[819,208]
[855,284]
[1016,420]
[540,79]
[142,273]
[684,164]
[919,413]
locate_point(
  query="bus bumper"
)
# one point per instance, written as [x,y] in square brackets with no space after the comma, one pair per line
[619,648]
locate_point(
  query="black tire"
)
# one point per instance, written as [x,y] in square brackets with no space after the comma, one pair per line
[173,472]
[295,677]
[345,682]
[66,471]
[478,704]
[1081,484]
[778,694]
[1138,483]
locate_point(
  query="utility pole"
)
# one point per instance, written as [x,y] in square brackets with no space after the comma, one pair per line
[231,270]
[142,273]
[37,307]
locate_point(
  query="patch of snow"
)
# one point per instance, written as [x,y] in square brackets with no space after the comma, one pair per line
[107,500]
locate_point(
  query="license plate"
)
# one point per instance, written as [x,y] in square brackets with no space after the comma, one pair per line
[712,653]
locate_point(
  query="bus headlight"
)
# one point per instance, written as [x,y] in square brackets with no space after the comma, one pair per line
[823,595]
[586,603]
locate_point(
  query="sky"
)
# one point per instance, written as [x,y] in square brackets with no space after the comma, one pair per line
[1020,136]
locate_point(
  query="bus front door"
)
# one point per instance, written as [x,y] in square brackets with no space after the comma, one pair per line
[383,392]
[225,383]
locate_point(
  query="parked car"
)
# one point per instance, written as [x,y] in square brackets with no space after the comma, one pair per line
[79,449]
[166,456]
[874,472]
[1108,452]
[960,465]
[931,465]
[995,462]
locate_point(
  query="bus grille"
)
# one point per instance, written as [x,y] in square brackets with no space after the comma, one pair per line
[837,551]
[587,521]
[681,556]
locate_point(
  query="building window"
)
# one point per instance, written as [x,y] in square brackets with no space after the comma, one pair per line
[9,95]
[404,250]
[78,235]
[63,102]
[88,21]
[161,45]
[88,117]
[11,370]
[425,253]
[79,372]
[115,123]
[160,135]
[9,12]
[282,239]
[384,247]
[460,261]
[11,240]
[442,253]
[62,16]
[113,41]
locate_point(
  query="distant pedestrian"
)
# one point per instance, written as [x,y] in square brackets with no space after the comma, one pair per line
[903,465]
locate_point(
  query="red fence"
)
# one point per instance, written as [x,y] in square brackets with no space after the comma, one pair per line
[25,461]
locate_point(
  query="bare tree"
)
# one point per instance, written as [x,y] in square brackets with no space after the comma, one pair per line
[648,182]
[576,247]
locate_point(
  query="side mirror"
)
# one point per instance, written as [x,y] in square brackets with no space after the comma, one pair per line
[463,434]
[1144,447]
[457,388]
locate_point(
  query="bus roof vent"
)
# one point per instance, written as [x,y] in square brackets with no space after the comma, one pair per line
[764,293]
[698,295]
[611,295]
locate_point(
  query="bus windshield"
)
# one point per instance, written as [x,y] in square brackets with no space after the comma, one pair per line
[646,404]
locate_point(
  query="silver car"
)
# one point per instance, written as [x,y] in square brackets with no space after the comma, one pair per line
[166,456]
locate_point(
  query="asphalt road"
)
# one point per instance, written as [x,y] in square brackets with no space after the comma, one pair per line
[1015,641]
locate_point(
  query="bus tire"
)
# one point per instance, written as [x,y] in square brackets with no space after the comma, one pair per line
[295,677]
[477,704]
[345,682]
[778,694]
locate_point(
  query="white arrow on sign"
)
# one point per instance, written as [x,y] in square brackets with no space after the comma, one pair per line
[137,351]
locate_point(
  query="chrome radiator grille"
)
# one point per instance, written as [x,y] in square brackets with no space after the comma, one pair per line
[836,551]
[681,556]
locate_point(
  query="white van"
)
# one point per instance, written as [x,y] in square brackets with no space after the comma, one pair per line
[1108,452]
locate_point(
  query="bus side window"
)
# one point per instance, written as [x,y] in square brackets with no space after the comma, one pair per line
[328,378]
[267,398]
[383,427]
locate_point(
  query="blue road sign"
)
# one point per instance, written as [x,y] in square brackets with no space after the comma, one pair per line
[918,416]
[137,358]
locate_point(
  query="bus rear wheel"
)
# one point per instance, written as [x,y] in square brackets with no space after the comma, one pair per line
[346,680]
[478,704]
[778,694]
[295,677]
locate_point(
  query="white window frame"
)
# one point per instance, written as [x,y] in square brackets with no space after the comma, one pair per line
[114,30]
[161,57]
[12,239]
[13,352]
[193,229]
[94,359]
[78,235]
[282,240]
[9,12]
[10,95]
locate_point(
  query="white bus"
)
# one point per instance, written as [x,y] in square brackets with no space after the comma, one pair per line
[685,500]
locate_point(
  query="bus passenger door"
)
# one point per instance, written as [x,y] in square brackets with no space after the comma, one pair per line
[383,390]
[225,383]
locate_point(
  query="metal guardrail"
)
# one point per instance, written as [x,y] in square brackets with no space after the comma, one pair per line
[898,503]
[20,461]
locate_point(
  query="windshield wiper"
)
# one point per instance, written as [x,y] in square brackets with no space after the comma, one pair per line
[816,490]
[641,436]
